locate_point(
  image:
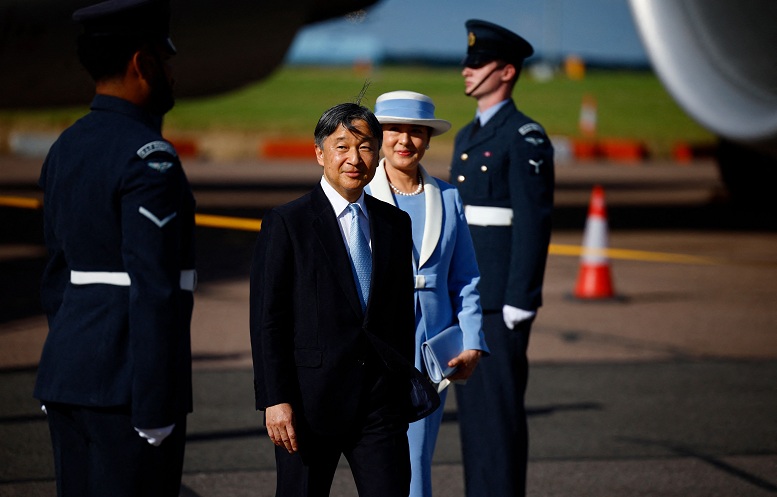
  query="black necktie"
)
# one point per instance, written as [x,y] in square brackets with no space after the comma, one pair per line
[475,127]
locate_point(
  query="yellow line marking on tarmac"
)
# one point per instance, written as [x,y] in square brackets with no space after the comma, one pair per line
[249,224]
[207,220]
[21,202]
[238,223]
[634,255]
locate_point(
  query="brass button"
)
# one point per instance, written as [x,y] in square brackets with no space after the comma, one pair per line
[484,168]
[464,156]
[461,178]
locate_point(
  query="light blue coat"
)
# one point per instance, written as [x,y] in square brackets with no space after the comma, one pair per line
[446,273]
[446,276]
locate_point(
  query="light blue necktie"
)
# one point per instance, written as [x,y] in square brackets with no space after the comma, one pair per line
[361,257]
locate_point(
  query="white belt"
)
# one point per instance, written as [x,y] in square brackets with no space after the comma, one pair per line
[425,281]
[188,279]
[109,278]
[480,215]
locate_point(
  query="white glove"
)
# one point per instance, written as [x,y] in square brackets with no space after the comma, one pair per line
[43,408]
[513,315]
[154,436]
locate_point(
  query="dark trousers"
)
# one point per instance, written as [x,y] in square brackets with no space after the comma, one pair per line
[492,414]
[98,453]
[375,446]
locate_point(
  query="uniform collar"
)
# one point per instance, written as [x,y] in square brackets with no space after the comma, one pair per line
[115,104]
[339,204]
[487,114]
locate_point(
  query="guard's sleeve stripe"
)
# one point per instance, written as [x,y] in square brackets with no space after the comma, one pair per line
[159,222]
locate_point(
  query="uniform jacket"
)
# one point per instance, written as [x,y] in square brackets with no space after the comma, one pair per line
[446,273]
[117,203]
[309,335]
[509,164]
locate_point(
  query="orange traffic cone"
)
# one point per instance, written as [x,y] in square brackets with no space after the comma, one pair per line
[594,280]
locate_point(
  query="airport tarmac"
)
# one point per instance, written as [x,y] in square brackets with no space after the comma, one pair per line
[670,389]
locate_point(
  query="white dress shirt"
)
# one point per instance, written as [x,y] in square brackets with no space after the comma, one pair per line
[340,206]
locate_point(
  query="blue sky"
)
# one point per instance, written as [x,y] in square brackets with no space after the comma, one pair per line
[597,30]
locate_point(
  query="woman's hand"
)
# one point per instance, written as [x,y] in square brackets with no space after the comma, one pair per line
[465,364]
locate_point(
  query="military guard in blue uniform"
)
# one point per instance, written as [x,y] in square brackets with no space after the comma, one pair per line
[503,167]
[115,372]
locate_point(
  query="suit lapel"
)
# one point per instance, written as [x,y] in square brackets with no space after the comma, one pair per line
[379,188]
[381,234]
[433,221]
[486,133]
[327,229]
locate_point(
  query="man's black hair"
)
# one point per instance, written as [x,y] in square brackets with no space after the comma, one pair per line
[344,115]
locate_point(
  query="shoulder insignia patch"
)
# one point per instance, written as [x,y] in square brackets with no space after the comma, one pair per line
[160,166]
[156,146]
[528,128]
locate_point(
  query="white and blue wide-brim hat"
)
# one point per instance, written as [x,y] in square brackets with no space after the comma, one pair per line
[409,107]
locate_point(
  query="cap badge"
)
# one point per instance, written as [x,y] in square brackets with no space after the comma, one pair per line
[471,38]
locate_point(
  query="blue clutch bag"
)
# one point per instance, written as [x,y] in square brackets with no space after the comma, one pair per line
[440,349]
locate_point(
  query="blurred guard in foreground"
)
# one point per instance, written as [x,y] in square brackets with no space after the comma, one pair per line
[503,167]
[115,373]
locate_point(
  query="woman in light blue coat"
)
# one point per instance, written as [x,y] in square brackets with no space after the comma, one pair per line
[446,273]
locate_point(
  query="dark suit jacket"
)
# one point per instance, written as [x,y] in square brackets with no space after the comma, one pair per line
[508,163]
[309,336]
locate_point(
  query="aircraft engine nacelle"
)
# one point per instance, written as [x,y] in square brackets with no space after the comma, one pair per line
[717,59]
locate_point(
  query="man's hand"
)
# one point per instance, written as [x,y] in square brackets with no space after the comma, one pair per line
[465,362]
[280,426]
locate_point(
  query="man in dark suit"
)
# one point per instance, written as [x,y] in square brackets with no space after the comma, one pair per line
[503,167]
[332,344]
[115,372]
